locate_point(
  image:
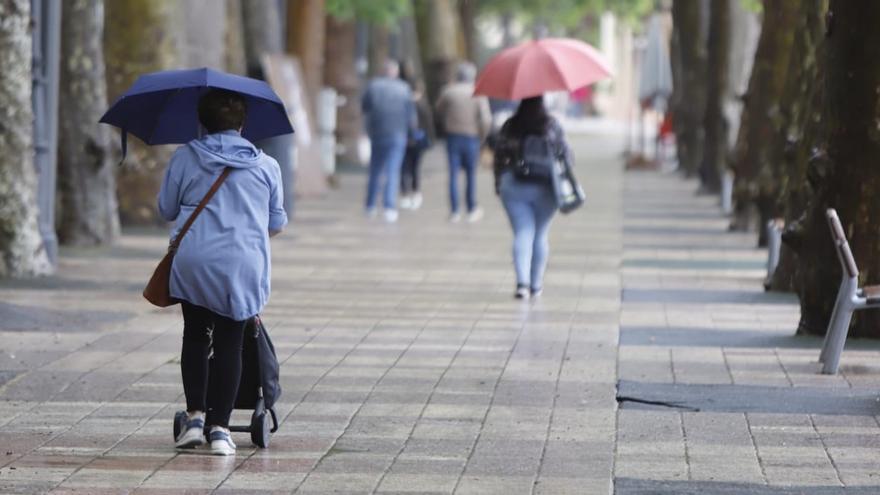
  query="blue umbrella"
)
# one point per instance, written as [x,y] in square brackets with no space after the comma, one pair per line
[161,108]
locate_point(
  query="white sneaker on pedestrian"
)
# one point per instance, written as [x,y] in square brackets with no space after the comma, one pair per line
[390,216]
[406,203]
[475,215]
[522,292]
[416,201]
[193,434]
[455,218]
[221,442]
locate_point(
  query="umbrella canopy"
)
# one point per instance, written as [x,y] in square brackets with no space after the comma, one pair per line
[539,66]
[655,79]
[161,107]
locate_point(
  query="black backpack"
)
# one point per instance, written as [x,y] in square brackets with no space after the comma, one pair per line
[537,159]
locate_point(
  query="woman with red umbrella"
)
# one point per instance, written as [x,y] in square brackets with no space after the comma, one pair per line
[532,142]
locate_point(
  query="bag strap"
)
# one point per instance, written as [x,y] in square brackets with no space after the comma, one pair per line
[192,218]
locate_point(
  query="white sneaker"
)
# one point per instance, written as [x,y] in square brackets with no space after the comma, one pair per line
[390,216]
[522,292]
[406,203]
[455,218]
[221,442]
[475,215]
[194,434]
[416,201]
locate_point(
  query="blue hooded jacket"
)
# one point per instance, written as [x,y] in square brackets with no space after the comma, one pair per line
[223,262]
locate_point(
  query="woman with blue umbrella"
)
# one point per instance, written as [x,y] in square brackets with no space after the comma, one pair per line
[225,198]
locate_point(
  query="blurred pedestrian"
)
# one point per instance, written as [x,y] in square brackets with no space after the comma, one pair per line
[525,152]
[390,115]
[466,121]
[420,139]
[221,269]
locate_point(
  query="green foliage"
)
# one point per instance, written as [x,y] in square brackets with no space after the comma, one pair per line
[567,13]
[753,5]
[383,12]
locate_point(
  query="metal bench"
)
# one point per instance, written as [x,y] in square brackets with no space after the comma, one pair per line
[850,298]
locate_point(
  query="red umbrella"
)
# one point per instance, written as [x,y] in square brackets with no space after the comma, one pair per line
[539,66]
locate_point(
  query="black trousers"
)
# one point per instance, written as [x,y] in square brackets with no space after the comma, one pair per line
[409,172]
[205,331]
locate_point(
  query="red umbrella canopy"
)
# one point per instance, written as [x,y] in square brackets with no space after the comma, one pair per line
[539,66]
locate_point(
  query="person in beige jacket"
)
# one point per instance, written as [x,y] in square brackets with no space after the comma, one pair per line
[466,120]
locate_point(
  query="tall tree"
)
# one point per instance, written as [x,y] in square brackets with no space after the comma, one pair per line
[467,12]
[341,74]
[86,185]
[305,39]
[379,51]
[691,100]
[21,247]
[140,36]
[439,30]
[262,32]
[849,178]
[715,151]
[234,38]
[796,144]
[756,190]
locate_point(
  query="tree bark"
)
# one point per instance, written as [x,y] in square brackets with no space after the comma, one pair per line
[305,40]
[802,108]
[714,160]
[438,30]
[234,38]
[341,74]
[86,185]
[756,189]
[849,180]
[21,247]
[262,32]
[140,36]
[690,109]
[379,49]
[467,12]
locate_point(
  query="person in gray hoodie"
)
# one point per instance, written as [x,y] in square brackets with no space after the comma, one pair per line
[221,270]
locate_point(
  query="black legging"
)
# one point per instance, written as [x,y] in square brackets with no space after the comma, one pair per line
[204,330]
[409,173]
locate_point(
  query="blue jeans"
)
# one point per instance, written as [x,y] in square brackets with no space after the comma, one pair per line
[386,157]
[462,152]
[530,207]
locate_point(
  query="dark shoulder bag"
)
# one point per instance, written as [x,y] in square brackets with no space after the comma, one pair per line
[157,290]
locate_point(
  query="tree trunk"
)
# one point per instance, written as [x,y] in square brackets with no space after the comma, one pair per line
[341,74]
[849,180]
[756,190]
[21,247]
[86,185]
[262,32]
[802,107]
[467,12]
[305,40]
[690,110]
[203,37]
[714,160]
[379,49]
[140,36]
[234,38]
[438,30]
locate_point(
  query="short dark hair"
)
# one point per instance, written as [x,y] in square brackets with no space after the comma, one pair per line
[221,110]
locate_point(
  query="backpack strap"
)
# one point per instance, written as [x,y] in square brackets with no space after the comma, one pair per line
[192,218]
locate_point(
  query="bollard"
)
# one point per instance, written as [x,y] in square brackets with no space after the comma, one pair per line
[774,245]
[328,103]
[727,192]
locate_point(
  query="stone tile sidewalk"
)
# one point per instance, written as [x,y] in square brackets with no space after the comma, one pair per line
[407,365]
[719,396]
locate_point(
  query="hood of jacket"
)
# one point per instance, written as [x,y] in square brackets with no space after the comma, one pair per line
[225,149]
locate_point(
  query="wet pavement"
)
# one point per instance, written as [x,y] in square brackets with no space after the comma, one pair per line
[407,366]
